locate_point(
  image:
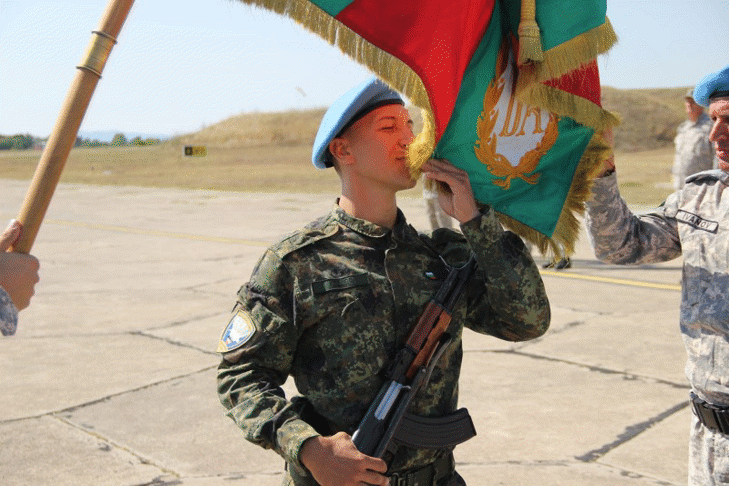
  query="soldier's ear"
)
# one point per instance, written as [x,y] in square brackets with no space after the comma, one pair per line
[340,150]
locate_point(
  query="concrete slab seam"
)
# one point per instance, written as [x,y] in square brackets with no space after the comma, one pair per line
[631,432]
[143,460]
[79,406]
[173,342]
[589,367]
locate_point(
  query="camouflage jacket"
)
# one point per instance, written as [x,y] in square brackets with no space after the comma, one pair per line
[694,152]
[331,304]
[8,314]
[694,222]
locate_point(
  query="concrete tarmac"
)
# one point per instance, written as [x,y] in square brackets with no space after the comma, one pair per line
[110,379]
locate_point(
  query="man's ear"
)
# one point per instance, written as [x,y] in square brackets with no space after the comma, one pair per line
[339,147]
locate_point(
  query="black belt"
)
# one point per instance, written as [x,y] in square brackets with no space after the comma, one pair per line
[711,416]
[426,476]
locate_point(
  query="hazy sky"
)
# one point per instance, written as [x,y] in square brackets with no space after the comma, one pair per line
[181,65]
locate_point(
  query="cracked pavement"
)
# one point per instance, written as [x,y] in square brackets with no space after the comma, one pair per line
[110,379]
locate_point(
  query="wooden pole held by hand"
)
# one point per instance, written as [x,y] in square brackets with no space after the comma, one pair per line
[63,136]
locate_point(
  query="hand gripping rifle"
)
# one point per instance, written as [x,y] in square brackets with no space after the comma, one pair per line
[387,419]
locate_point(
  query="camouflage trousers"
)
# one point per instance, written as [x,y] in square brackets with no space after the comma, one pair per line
[708,456]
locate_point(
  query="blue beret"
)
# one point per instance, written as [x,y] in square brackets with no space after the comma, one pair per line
[711,86]
[355,104]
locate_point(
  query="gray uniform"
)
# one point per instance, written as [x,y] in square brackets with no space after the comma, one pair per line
[8,314]
[694,222]
[693,149]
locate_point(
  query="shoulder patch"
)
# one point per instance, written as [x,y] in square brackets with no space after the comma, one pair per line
[239,331]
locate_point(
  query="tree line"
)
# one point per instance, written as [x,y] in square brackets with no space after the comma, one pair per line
[26,142]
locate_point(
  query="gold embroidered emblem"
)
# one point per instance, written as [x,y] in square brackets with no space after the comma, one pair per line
[520,133]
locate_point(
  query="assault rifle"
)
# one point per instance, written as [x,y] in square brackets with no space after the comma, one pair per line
[387,419]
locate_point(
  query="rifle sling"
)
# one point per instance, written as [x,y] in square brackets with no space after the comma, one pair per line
[435,432]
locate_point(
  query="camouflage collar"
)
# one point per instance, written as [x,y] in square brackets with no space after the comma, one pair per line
[367,228]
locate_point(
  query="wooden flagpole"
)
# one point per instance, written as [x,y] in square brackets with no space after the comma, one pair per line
[59,145]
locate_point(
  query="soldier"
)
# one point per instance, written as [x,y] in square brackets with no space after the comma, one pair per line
[694,222]
[18,276]
[331,304]
[693,148]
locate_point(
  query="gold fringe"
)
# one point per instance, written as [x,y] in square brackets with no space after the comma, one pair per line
[569,55]
[562,242]
[583,111]
[530,39]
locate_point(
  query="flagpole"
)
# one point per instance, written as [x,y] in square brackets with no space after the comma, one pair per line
[63,136]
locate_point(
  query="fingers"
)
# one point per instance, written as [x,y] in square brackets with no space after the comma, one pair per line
[458,202]
[10,235]
[335,461]
[444,171]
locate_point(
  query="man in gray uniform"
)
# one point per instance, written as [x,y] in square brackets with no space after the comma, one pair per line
[693,147]
[693,222]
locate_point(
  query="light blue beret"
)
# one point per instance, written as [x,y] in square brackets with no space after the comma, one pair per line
[355,104]
[712,86]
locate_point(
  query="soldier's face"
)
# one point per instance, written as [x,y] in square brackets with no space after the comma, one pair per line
[378,143]
[719,136]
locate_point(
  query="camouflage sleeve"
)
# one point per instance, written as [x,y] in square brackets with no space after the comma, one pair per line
[8,314]
[506,298]
[618,236]
[258,346]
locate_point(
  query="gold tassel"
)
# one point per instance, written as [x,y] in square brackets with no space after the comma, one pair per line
[530,41]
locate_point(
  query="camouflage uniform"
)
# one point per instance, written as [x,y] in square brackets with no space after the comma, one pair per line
[694,152]
[8,314]
[693,222]
[332,303]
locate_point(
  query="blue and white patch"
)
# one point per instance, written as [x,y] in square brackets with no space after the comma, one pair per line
[239,331]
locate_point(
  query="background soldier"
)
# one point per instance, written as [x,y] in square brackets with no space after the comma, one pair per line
[331,304]
[693,147]
[694,222]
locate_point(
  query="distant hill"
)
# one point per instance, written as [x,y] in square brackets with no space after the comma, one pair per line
[649,116]
[649,121]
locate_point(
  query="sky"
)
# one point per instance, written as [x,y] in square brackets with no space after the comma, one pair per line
[182,65]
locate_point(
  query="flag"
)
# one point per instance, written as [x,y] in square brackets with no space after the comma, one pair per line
[510,92]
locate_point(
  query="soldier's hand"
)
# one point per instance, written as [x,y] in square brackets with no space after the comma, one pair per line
[457,201]
[18,271]
[335,461]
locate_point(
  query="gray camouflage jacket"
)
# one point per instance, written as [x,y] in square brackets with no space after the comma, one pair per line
[694,222]
[693,150]
[331,304]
